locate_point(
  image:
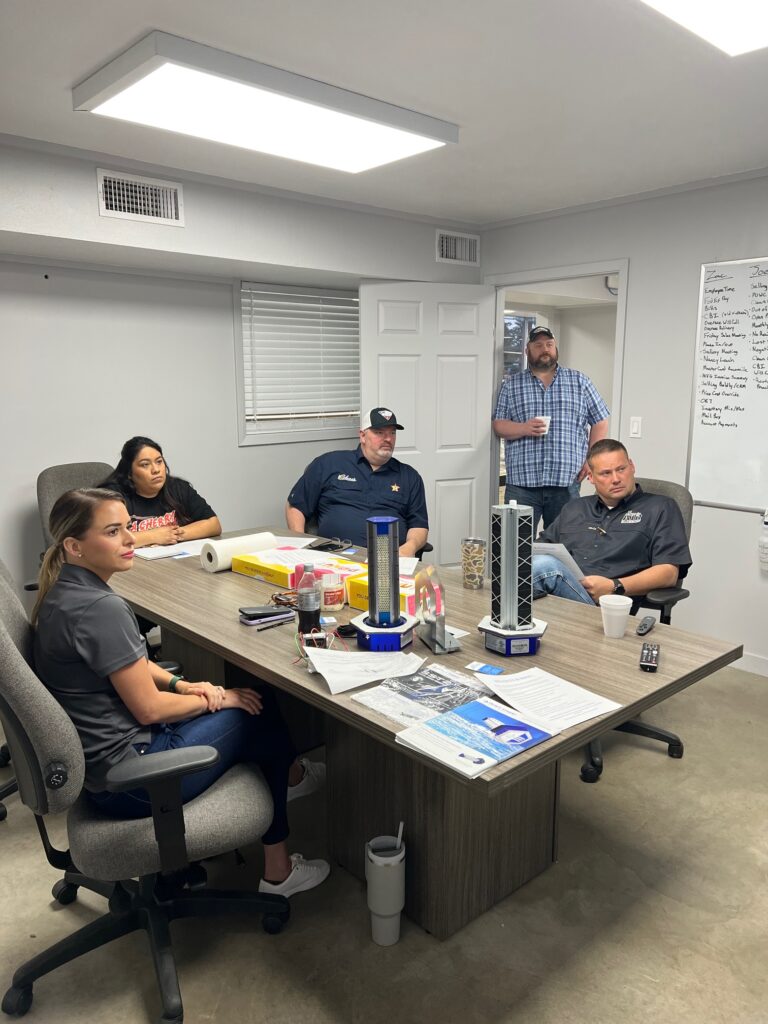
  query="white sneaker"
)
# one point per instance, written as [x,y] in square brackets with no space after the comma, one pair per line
[305,874]
[314,779]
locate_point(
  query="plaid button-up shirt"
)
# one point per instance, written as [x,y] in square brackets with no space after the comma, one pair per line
[555,458]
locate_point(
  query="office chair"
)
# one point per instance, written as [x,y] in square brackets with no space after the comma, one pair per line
[55,480]
[141,866]
[10,787]
[664,599]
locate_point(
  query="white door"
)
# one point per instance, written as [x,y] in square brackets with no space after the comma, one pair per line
[427,351]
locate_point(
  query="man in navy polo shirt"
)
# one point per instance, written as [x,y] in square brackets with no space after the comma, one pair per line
[342,489]
[624,540]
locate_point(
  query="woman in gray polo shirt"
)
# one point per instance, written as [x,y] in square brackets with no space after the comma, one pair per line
[91,656]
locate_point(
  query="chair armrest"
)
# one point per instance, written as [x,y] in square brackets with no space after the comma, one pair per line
[666,595]
[31,585]
[161,774]
[159,767]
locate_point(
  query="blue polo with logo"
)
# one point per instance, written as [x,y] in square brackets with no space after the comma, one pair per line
[641,531]
[341,490]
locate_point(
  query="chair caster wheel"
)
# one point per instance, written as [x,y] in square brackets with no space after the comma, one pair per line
[64,892]
[273,924]
[5,755]
[3,812]
[17,1001]
[173,1020]
[590,773]
[675,750]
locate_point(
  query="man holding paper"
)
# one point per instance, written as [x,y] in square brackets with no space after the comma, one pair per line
[624,540]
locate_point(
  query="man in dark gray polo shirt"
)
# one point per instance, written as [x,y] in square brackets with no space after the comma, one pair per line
[624,540]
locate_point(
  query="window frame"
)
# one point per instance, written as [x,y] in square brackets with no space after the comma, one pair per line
[295,433]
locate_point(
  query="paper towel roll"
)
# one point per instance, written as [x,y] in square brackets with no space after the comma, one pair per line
[217,555]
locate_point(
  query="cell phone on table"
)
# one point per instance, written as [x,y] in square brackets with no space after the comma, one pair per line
[259,611]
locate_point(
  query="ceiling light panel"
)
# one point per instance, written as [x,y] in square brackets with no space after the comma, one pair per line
[736,27]
[171,83]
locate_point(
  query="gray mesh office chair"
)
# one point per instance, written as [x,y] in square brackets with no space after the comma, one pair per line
[664,599]
[139,866]
[55,480]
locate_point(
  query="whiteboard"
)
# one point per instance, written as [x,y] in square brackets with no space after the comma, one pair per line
[728,451]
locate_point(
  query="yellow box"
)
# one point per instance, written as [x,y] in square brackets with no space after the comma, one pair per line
[284,576]
[357,593]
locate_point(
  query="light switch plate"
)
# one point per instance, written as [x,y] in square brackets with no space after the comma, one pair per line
[635,426]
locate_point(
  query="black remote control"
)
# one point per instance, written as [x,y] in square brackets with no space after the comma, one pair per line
[645,625]
[649,657]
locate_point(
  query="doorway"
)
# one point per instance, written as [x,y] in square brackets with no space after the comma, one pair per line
[584,311]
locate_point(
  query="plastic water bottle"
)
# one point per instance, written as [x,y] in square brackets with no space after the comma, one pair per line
[308,602]
[762,545]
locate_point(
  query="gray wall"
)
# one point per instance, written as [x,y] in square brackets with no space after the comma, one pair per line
[90,358]
[666,240]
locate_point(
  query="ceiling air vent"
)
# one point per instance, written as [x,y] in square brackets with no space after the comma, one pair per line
[131,197]
[452,247]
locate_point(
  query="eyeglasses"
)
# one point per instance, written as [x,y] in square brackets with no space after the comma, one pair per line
[331,545]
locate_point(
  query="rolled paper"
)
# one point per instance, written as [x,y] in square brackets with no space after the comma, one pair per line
[217,555]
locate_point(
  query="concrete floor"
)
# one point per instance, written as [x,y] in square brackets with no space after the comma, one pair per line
[656,911]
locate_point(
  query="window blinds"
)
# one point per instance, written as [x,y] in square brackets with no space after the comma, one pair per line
[301,357]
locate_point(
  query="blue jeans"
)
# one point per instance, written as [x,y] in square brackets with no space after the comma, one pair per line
[546,501]
[238,736]
[550,576]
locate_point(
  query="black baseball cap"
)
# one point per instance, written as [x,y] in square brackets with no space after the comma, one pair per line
[539,332]
[379,418]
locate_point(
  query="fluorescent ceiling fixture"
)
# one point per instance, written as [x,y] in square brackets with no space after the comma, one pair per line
[738,26]
[167,82]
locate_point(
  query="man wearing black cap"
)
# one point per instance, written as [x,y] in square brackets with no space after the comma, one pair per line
[342,489]
[548,416]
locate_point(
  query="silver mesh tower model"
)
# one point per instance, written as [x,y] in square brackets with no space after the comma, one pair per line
[383,565]
[511,564]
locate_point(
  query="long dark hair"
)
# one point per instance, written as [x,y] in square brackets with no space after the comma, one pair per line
[170,493]
[71,516]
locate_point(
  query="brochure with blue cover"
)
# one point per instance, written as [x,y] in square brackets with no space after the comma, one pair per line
[475,737]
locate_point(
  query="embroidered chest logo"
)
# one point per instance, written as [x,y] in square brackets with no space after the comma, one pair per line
[349,479]
[395,488]
[632,517]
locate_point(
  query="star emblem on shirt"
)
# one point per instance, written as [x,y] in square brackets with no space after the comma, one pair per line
[395,487]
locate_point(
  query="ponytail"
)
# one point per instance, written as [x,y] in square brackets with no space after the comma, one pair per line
[49,573]
[71,516]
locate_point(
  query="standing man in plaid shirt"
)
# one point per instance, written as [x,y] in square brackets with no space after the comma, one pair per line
[546,459]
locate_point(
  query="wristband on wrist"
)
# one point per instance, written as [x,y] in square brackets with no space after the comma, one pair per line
[172,683]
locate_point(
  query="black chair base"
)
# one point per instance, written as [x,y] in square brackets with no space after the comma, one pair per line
[144,904]
[592,768]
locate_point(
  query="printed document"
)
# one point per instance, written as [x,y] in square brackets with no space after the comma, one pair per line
[561,552]
[346,670]
[552,700]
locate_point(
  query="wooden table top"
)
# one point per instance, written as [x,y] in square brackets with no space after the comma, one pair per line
[202,607]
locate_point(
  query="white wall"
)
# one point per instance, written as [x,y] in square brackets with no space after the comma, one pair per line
[49,208]
[666,240]
[586,342]
[90,359]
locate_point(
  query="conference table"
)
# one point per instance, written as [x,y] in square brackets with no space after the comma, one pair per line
[470,842]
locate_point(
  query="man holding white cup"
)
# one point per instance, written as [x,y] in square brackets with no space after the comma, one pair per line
[547,416]
[626,541]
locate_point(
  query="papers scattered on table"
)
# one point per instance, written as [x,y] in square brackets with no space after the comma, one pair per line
[407,565]
[419,697]
[345,670]
[555,702]
[474,737]
[182,550]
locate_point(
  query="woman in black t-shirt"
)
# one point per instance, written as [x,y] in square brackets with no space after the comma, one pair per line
[164,509]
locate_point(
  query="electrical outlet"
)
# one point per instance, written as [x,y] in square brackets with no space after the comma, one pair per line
[635,426]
